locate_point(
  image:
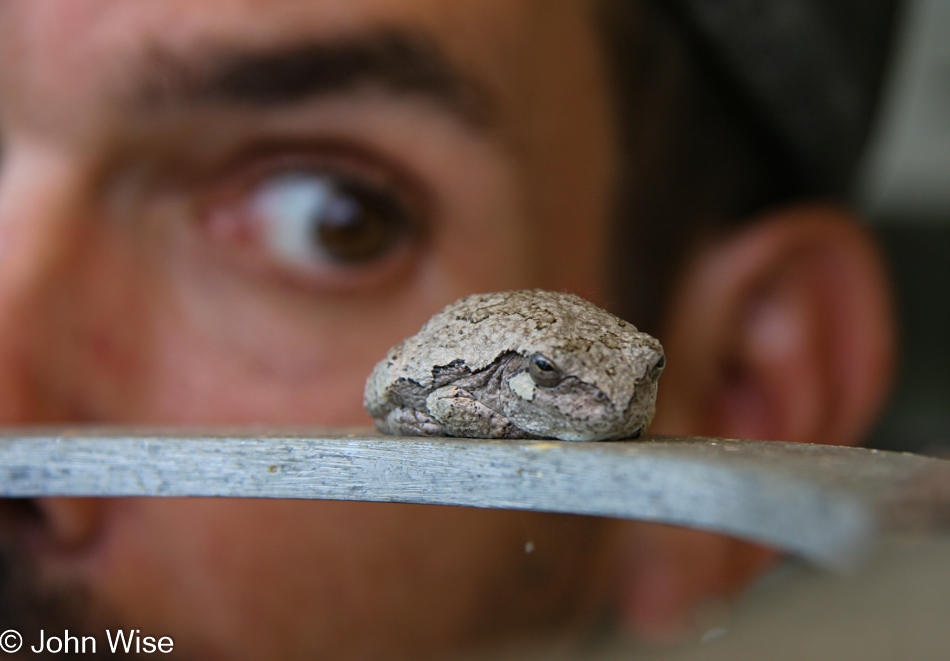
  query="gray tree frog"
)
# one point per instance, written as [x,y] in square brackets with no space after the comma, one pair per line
[519,364]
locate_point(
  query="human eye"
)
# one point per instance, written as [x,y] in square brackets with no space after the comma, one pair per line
[317,223]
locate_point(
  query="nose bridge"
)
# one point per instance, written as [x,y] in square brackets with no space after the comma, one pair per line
[38,198]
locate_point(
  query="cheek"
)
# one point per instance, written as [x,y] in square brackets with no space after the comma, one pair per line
[160,333]
[89,336]
[229,348]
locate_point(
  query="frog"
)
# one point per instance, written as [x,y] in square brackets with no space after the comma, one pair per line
[528,364]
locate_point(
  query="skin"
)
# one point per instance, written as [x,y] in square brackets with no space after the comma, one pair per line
[473,371]
[119,305]
[130,292]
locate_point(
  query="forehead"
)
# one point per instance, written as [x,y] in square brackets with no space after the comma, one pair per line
[85,49]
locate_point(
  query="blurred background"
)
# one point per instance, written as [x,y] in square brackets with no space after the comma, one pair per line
[903,187]
[856,95]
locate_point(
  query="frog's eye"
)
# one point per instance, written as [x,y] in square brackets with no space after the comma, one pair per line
[660,364]
[543,371]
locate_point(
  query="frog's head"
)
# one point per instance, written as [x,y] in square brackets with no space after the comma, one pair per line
[585,391]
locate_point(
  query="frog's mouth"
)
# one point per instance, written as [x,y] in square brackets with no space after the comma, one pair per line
[572,409]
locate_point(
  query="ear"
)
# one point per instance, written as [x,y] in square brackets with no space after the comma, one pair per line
[782,331]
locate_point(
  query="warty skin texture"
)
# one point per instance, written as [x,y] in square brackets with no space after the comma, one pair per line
[475,369]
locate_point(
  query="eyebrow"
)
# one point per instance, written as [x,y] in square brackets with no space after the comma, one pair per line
[395,62]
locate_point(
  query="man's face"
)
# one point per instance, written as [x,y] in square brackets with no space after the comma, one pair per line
[226,212]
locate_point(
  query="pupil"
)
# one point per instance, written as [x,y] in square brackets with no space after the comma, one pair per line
[544,372]
[354,225]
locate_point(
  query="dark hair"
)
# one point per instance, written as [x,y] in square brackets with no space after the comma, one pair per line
[697,157]
[690,166]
